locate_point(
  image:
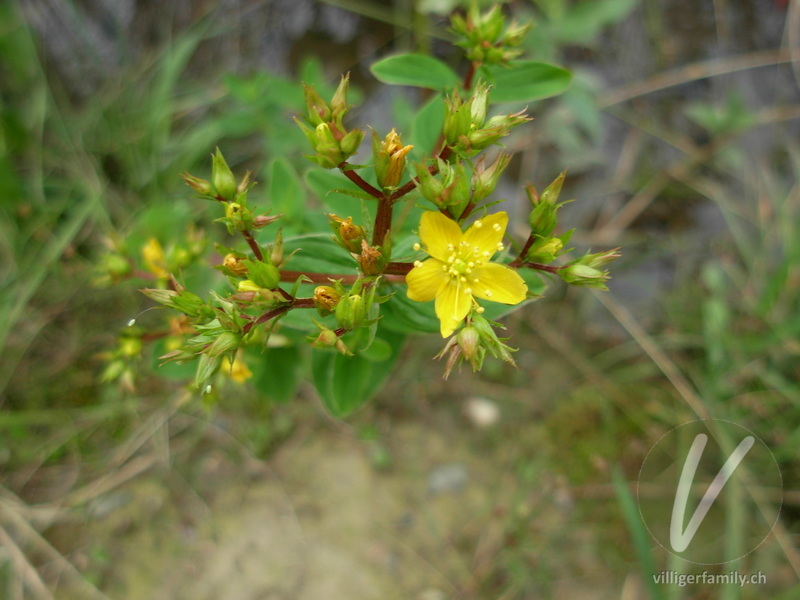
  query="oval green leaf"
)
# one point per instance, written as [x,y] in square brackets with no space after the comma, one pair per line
[524,81]
[346,382]
[416,70]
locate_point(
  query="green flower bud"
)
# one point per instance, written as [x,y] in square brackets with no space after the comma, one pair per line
[470,343]
[318,109]
[207,366]
[484,180]
[552,191]
[201,186]
[222,177]
[543,219]
[339,104]
[276,250]
[161,296]
[263,274]
[227,341]
[479,103]
[188,303]
[328,338]
[350,143]
[350,311]
[457,118]
[544,250]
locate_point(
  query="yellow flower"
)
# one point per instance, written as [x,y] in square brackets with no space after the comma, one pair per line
[458,270]
[153,256]
[239,370]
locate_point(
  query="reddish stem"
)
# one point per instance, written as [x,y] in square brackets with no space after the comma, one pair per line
[540,267]
[353,176]
[276,312]
[398,268]
[521,258]
[473,66]
[327,278]
[251,241]
[383,221]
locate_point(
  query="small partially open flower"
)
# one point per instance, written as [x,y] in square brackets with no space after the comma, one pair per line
[390,158]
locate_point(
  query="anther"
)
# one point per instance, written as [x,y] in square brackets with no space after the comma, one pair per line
[417,263]
[496,227]
[417,247]
[478,224]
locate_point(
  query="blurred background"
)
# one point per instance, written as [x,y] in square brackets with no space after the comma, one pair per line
[680,137]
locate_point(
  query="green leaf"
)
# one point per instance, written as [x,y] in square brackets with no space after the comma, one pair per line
[317,254]
[427,126]
[524,81]
[346,382]
[337,193]
[284,189]
[416,70]
[276,372]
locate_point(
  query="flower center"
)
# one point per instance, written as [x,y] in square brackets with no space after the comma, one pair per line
[461,262]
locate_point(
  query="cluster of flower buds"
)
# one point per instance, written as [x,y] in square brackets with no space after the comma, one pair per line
[473,342]
[466,129]
[452,189]
[544,216]
[485,38]
[449,189]
[155,262]
[220,336]
[332,143]
[223,188]
[350,307]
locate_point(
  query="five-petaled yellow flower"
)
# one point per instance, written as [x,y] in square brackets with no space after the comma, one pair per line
[458,270]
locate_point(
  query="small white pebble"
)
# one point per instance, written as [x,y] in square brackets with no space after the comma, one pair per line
[481,412]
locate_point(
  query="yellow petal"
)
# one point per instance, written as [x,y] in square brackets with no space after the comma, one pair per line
[437,232]
[499,283]
[452,305]
[425,281]
[489,233]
